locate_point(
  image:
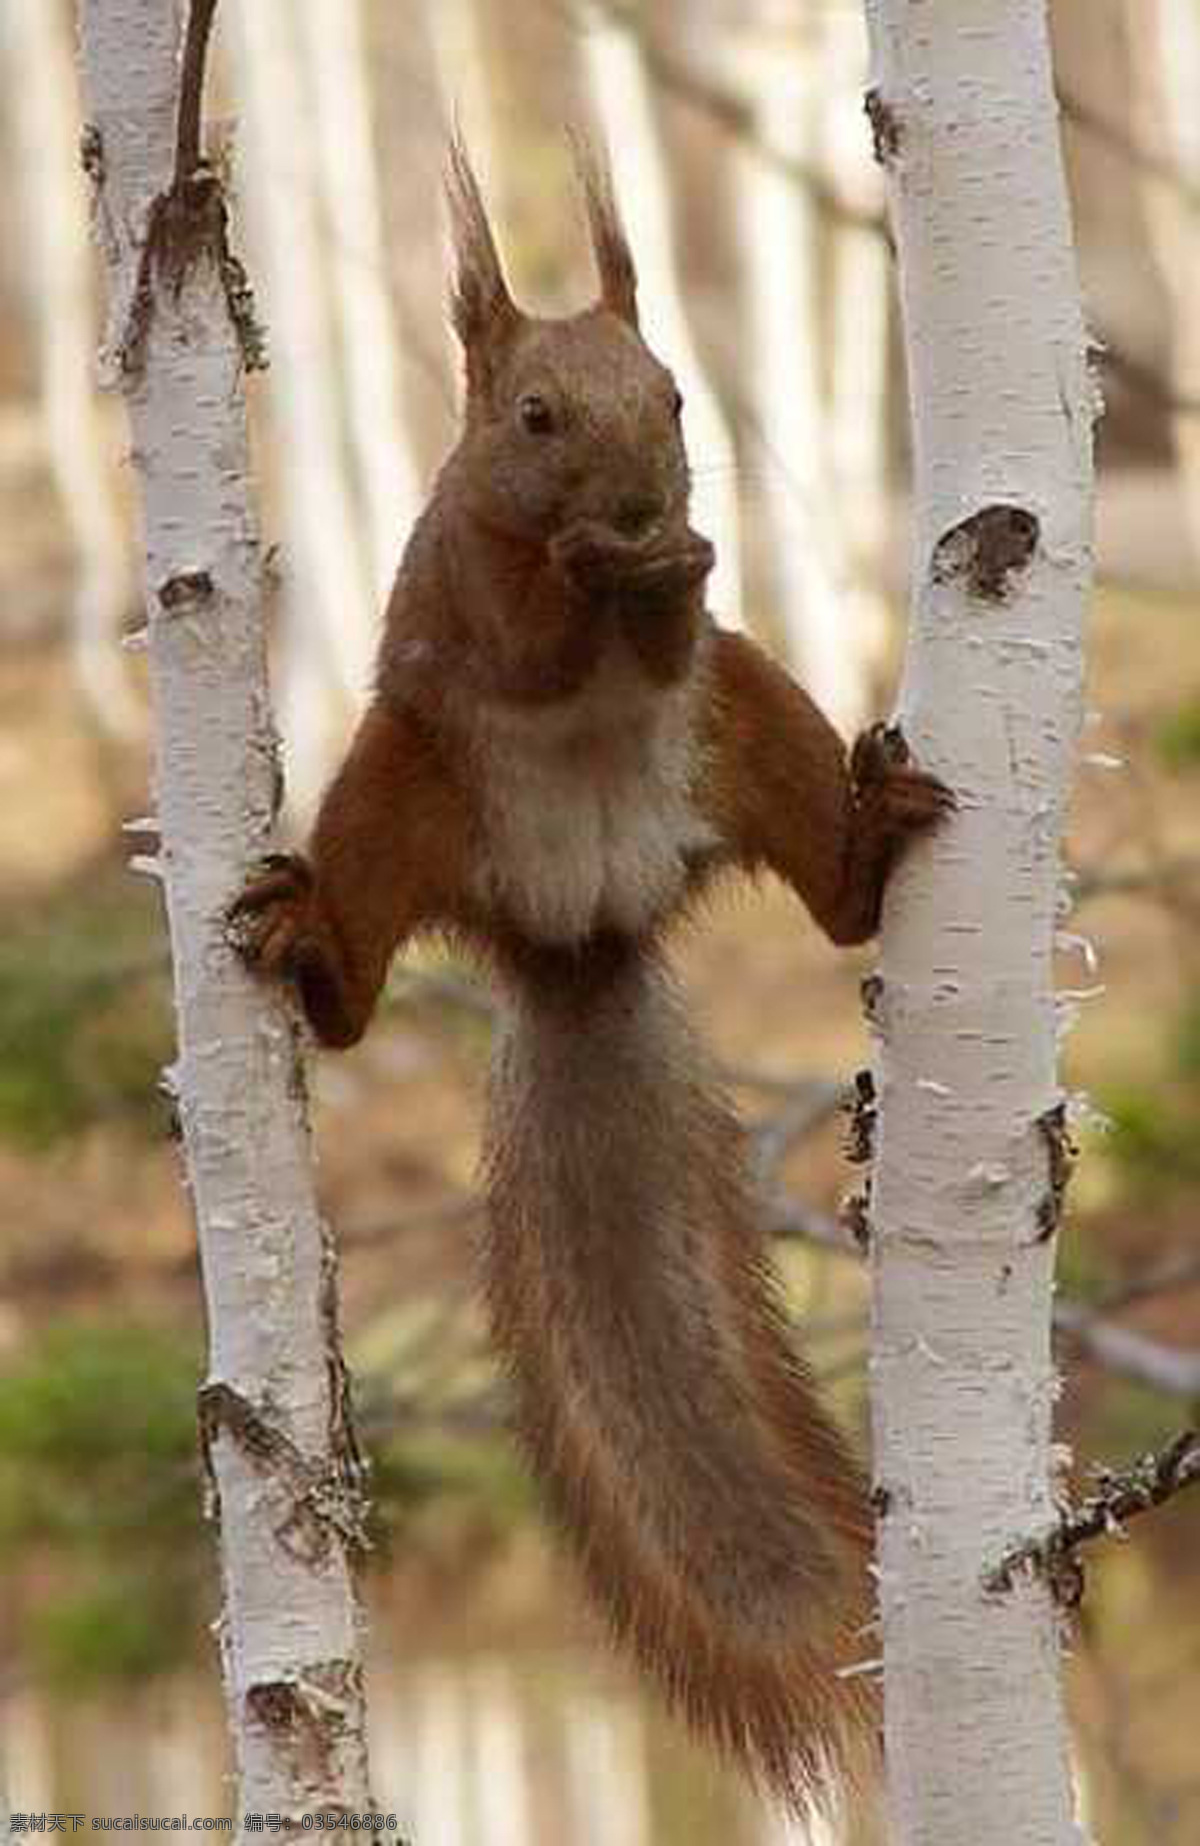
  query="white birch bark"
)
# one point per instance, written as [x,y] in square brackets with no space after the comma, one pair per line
[964,1009]
[36,37]
[272,1408]
[621,91]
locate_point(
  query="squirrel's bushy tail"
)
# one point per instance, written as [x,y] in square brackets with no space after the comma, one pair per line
[715,1508]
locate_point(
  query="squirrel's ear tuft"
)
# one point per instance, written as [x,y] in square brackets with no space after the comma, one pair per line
[481,307]
[614,259]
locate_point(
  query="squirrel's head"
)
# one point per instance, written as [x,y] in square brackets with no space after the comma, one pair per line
[571,419]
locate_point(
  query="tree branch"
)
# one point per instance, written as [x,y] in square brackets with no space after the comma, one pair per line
[1173,1276]
[736,117]
[1100,881]
[733,113]
[809,1106]
[1170,1369]
[1118,140]
[1121,1496]
[191,90]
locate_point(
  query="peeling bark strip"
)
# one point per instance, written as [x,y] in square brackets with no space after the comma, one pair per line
[970,1155]
[286,1476]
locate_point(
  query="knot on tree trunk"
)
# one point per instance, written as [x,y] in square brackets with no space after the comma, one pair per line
[987,550]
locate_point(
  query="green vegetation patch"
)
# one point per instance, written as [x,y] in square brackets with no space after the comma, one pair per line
[85,1020]
[98,1439]
[100,1500]
[1177,737]
[100,1496]
[1155,1138]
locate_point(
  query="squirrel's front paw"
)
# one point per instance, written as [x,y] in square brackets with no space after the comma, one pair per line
[275,928]
[272,916]
[671,569]
[590,558]
[905,799]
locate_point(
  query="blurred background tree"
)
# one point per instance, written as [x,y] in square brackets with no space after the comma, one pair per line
[742,159]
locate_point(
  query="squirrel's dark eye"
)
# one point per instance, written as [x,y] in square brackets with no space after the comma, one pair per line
[677,402]
[536,415]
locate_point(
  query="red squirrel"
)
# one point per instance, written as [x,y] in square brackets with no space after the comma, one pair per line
[562,752]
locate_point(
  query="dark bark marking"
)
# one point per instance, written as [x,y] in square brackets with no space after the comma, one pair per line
[987,550]
[187,589]
[307,1717]
[887,133]
[186,224]
[328,1505]
[863,1112]
[91,153]
[1062,1151]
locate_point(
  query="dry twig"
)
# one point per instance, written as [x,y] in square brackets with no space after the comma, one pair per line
[1120,1496]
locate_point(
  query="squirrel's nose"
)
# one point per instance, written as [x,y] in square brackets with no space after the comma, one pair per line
[636,512]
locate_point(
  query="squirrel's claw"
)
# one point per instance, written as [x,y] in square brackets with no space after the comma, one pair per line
[589,557]
[595,560]
[275,927]
[908,799]
[675,568]
[911,800]
[266,918]
[280,875]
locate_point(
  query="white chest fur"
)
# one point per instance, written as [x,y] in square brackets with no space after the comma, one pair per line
[587,809]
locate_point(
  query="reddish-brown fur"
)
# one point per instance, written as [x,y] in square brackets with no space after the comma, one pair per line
[562,750]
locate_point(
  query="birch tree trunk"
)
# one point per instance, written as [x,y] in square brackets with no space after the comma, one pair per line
[970,1161]
[283,1468]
